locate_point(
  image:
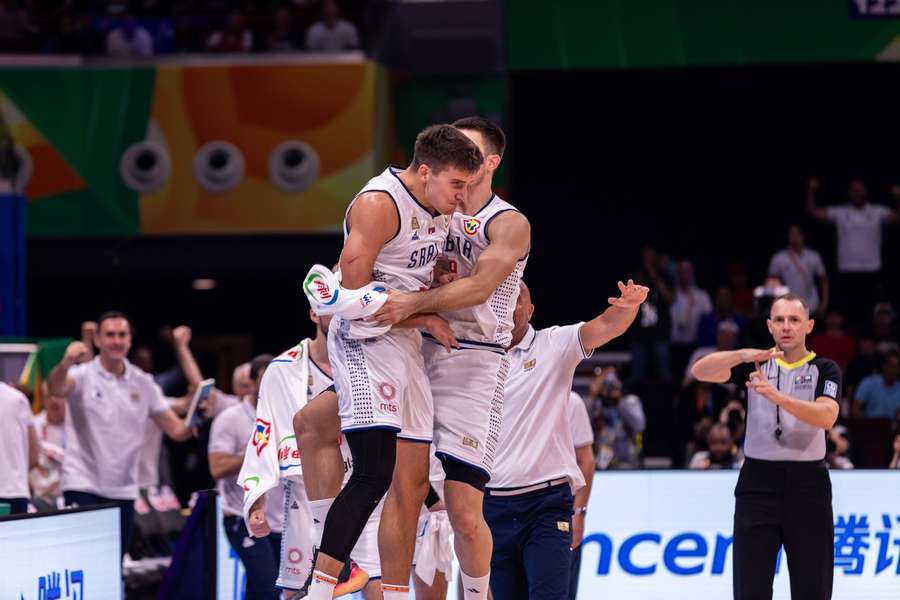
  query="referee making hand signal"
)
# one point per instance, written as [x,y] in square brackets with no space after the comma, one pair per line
[783,494]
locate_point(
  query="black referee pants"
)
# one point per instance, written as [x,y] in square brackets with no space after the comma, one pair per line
[783,503]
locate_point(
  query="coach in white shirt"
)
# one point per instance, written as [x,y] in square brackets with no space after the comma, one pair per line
[18,448]
[583,437]
[529,502]
[802,270]
[108,402]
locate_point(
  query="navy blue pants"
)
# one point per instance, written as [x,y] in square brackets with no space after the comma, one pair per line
[260,559]
[126,511]
[532,544]
[17,506]
[576,570]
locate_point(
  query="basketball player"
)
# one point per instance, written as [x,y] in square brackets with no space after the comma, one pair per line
[487,247]
[394,231]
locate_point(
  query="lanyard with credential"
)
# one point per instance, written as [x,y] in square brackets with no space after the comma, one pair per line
[778,432]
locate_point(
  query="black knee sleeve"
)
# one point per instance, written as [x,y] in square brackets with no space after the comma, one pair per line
[374,453]
[432,498]
[456,470]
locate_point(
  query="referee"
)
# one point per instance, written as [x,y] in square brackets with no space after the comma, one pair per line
[783,494]
[536,497]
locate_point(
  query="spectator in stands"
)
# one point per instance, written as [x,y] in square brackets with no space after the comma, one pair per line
[895,459]
[129,40]
[49,425]
[283,37]
[17,32]
[878,396]
[722,453]
[332,34]
[234,37]
[864,363]
[859,229]
[108,401]
[723,311]
[837,447]
[18,448]
[689,305]
[739,284]
[728,335]
[227,444]
[835,342]
[802,270]
[884,329]
[650,333]
[619,420]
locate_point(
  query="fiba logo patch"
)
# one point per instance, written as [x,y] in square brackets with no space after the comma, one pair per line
[831,389]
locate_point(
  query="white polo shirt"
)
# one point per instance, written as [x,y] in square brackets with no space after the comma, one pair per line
[229,434]
[105,419]
[536,442]
[17,418]
[858,236]
[580,422]
[799,272]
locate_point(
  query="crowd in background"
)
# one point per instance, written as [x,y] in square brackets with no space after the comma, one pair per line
[146,28]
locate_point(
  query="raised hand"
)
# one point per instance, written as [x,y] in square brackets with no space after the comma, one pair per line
[757,356]
[632,295]
[181,335]
[76,353]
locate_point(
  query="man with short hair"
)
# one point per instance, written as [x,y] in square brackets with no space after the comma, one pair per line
[878,395]
[721,452]
[783,494]
[529,504]
[802,270]
[108,401]
[394,231]
[227,443]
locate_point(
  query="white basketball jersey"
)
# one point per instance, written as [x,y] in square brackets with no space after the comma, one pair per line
[406,262]
[492,321]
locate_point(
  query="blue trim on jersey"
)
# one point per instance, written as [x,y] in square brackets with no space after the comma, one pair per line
[488,203]
[410,439]
[396,206]
[353,429]
[465,462]
[281,360]
[496,348]
[431,212]
[320,370]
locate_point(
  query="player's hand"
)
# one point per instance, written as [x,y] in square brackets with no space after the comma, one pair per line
[76,353]
[399,307]
[753,355]
[632,295]
[258,524]
[181,336]
[813,184]
[577,530]
[440,329]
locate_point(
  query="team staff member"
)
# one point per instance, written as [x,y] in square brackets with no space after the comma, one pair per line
[108,401]
[18,448]
[583,437]
[528,504]
[783,494]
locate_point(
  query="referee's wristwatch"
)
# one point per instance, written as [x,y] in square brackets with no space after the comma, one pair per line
[579,511]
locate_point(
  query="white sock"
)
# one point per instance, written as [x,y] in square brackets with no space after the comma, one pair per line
[394,592]
[322,586]
[319,510]
[475,588]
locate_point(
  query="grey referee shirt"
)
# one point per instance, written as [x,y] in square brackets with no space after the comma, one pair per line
[807,379]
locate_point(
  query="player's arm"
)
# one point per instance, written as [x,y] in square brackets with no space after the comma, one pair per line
[436,325]
[373,222]
[616,319]
[812,188]
[510,240]
[172,426]
[716,367]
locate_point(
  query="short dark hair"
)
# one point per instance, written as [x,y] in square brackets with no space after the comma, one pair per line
[258,364]
[791,297]
[493,136]
[112,314]
[442,146]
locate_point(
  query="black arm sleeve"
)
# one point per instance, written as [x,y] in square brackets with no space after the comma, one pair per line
[829,383]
